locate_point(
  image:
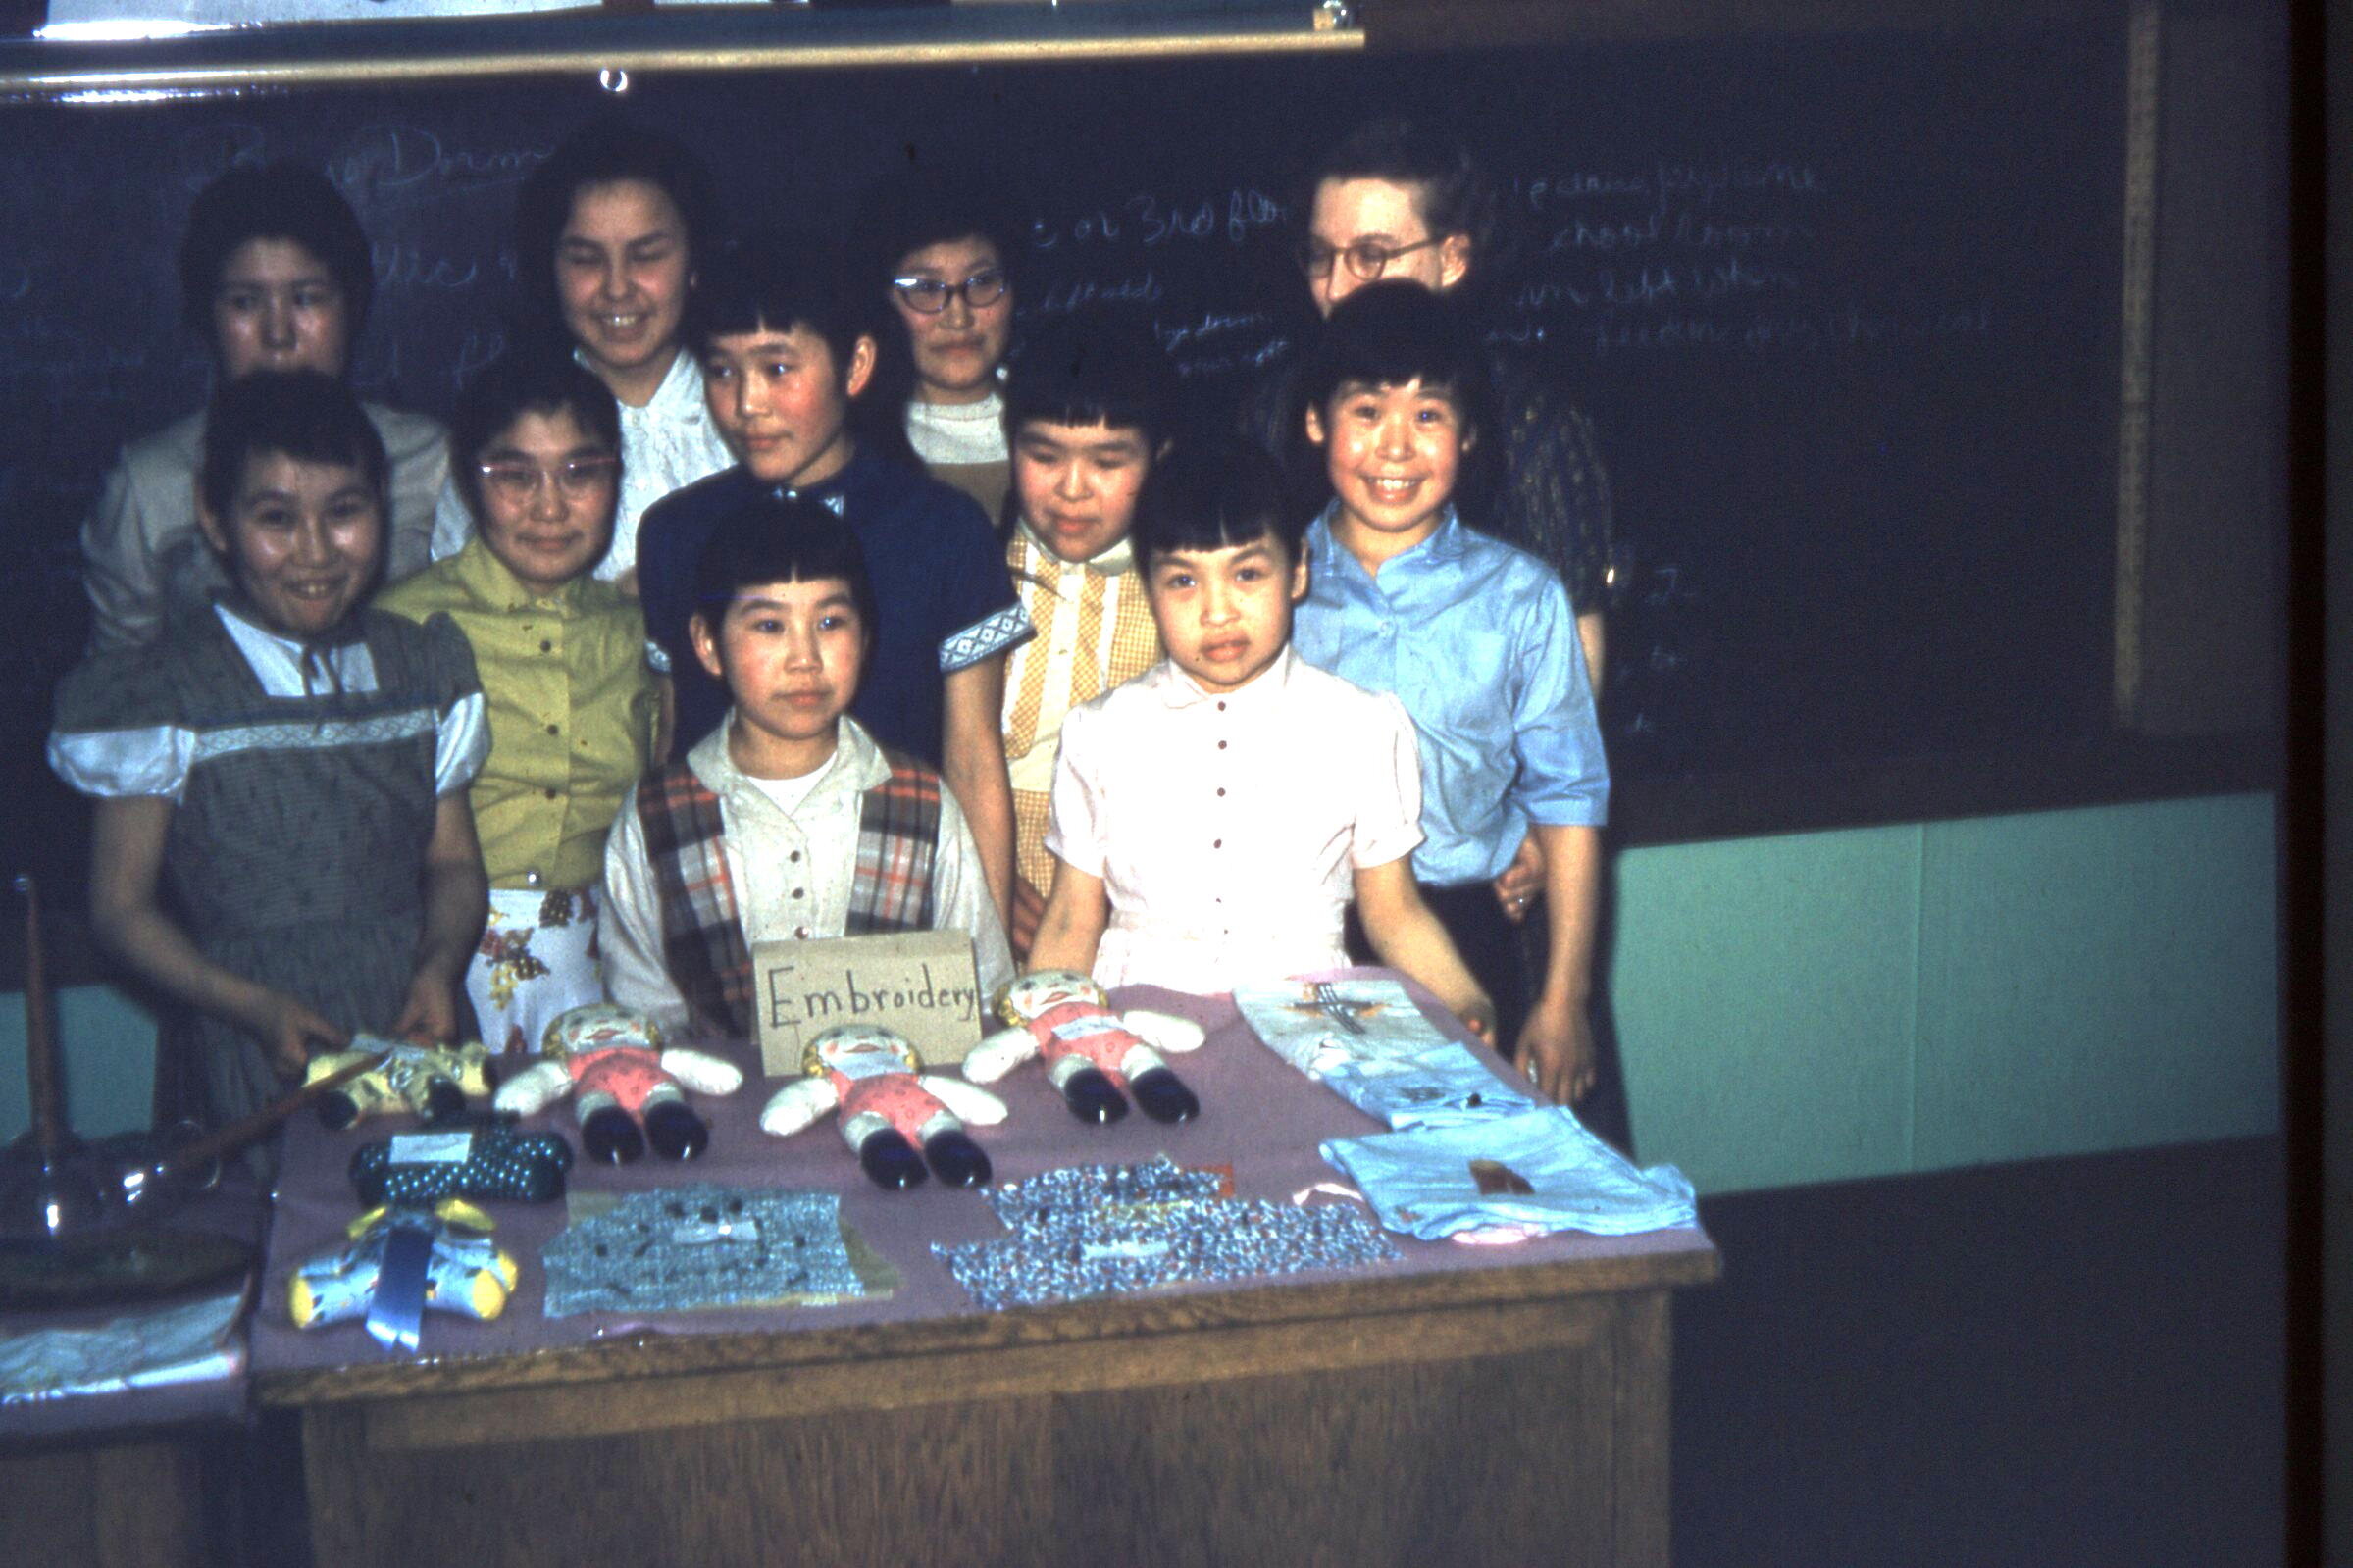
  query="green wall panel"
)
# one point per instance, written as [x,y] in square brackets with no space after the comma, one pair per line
[1763,991]
[2096,979]
[1820,1006]
[110,1061]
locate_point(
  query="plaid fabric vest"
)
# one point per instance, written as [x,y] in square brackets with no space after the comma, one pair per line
[702,938]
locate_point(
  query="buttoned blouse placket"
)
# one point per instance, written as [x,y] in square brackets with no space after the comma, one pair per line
[1220,783]
[550,628]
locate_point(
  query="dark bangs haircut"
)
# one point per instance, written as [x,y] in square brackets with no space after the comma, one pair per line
[774,281]
[772,538]
[305,415]
[914,208]
[1212,495]
[1091,367]
[1453,194]
[537,379]
[1393,332]
[599,153]
[277,201]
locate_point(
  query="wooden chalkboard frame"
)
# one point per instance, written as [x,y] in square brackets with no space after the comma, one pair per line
[611,43]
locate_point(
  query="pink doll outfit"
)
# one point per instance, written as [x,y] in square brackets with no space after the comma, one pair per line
[1085,1029]
[631,1074]
[899,1098]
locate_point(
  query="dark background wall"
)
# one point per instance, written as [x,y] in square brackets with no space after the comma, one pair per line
[1843,307]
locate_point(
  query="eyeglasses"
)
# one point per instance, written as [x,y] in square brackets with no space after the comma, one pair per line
[929,297]
[576,478]
[1368,259]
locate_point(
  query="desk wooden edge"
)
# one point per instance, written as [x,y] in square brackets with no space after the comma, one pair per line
[652,1354]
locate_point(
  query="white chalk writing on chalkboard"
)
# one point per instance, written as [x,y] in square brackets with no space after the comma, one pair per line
[1150,218]
[385,162]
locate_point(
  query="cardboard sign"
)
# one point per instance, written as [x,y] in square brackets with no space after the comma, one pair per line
[919,982]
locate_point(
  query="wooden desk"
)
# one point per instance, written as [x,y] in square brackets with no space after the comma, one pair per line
[1467,1405]
[121,1480]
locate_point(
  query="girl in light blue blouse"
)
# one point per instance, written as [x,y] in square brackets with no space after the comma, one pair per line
[1477,639]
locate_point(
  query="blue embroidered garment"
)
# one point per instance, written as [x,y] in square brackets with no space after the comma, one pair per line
[1369,1043]
[1540,1170]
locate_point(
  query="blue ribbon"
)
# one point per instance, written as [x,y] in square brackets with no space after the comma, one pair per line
[397,1313]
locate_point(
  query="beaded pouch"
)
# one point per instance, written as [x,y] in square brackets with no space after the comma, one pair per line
[686,1248]
[487,1160]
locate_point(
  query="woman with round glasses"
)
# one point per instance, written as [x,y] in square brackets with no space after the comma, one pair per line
[937,250]
[561,657]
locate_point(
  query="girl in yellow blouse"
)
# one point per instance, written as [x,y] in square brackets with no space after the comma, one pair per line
[535,451]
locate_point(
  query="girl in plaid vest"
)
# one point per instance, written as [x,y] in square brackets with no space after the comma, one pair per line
[787,822]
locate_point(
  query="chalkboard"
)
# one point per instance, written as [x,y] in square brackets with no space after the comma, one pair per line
[1843,307]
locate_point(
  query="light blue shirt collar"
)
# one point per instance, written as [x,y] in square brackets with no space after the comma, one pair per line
[1445,544]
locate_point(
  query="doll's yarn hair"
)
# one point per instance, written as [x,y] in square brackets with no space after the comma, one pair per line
[593,1024]
[1015,1003]
[812,1055]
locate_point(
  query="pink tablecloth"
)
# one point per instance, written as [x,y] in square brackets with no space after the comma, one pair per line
[1259,1117]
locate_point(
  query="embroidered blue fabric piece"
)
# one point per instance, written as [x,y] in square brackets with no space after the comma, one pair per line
[1431,1182]
[684,1249]
[1088,1231]
[1436,1088]
[1371,1045]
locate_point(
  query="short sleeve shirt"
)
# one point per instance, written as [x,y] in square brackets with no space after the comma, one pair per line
[1227,828]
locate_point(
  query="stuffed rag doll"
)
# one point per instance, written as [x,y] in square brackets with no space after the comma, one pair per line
[434,1081]
[439,1259]
[612,1061]
[1090,1051]
[890,1107]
